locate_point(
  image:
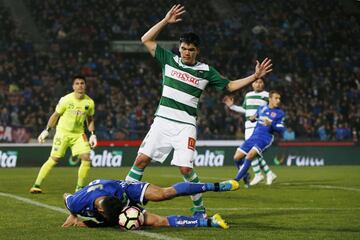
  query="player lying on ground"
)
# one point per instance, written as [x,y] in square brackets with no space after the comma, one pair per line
[269,120]
[105,199]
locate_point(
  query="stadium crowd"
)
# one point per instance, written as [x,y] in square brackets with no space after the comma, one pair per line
[316,64]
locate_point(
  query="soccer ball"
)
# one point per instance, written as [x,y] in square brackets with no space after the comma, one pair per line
[131,218]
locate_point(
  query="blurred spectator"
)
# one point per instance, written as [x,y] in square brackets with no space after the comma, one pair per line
[289,134]
[342,132]
[322,133]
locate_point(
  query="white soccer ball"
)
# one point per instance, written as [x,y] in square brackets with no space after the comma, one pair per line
[131,218]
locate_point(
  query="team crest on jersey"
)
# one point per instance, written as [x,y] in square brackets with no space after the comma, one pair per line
[191,143]
[273,114]
[86,107]
[71,106]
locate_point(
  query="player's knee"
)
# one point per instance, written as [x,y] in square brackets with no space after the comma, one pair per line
[142,160]
[185,170]
[85,157]
[56,159]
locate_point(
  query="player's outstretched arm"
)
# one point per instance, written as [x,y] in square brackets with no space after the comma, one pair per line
[260,71]
[51,123]
[172,16]
[229,102]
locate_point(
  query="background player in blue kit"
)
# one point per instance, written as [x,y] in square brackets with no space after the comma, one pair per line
[269,120]
[104,200]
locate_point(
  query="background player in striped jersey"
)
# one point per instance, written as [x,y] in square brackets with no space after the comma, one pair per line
[72,111]
[184,79]
[252,101]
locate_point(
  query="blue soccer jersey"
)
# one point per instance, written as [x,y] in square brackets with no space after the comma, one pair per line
[275,116]
[82,202]
[263,134]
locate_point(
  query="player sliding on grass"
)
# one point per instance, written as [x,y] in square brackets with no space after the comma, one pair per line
[184,80]
[269,120]
[72,111]
[104,200]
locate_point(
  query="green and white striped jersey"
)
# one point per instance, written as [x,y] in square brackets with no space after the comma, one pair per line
[183,86]
[252,101]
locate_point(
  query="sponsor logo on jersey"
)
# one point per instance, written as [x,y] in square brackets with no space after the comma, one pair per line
[77,112]
[184,76]
[8,159]
[183,222]
[191,143]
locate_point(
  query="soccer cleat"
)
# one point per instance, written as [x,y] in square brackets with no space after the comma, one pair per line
[258,178]
[229,185]
[270,178]
[217,221]
[199,212]
[247,180]
[35,189]
[78,188]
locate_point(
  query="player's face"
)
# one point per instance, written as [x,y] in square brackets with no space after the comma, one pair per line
[258,85]
[79,86]
[188,53]
[274,100]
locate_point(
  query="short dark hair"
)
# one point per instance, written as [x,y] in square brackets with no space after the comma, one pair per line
[78,77]
[274,92]
[112,207]
[190,37]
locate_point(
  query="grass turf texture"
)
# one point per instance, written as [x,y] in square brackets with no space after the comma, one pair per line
[304,203]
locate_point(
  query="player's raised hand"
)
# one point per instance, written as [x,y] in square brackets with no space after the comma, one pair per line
[262,69]
[174,14]
[228,100]
[43,135]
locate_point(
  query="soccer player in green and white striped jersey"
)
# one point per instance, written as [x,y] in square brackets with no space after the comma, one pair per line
[252,101]
[184,79]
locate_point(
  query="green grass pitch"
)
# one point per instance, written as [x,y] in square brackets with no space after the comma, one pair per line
[304,203]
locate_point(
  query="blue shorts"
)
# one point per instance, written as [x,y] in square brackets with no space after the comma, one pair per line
[259,143]
[136,191]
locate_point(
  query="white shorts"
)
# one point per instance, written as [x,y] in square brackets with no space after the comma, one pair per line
[165,135]
[249,132]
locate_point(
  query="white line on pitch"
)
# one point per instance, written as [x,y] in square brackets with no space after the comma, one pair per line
[62,210]
[323,186]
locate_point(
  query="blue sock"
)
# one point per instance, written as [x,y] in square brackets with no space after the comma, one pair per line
[243,170]
[238,163]
[188,188]
[184,221]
